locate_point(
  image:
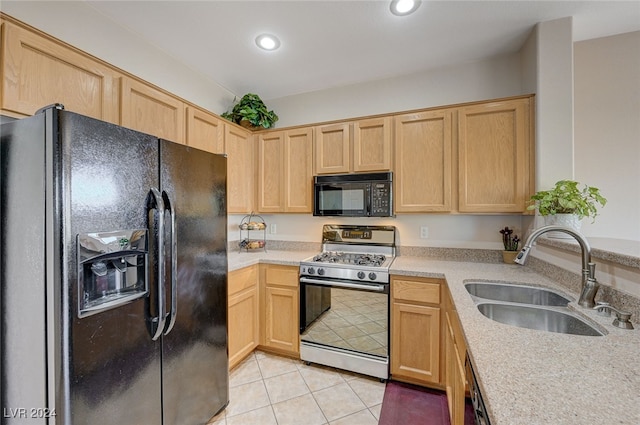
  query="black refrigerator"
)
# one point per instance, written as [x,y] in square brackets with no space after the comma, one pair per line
[113,269]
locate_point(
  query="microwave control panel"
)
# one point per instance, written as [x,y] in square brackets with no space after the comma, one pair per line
[381,204]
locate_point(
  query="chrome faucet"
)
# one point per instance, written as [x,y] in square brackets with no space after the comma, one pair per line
[589,283]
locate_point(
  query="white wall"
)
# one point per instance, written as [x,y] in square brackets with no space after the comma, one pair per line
[79,25]
[607,130]
[487,79]
[554,101]
[445,231]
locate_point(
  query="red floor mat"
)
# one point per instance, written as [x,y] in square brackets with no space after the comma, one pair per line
[412,405]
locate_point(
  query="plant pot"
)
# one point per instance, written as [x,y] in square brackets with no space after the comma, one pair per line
[247,124]
[509,256]
[567,220]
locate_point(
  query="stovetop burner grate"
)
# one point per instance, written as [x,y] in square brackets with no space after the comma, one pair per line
[374,260]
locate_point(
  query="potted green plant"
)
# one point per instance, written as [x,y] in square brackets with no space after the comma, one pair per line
[510,245]
[251,112]
[566,204]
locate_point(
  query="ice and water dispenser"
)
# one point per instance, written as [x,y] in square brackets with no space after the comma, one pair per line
[112,269]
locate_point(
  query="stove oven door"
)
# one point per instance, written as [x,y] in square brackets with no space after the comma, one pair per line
[355,324]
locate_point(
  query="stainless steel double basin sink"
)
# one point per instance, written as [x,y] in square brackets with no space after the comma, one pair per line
[528,307]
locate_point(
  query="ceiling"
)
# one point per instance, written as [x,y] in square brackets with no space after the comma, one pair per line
[327,44]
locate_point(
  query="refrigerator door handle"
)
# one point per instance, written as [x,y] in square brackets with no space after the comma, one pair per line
[157,324]
[174,264]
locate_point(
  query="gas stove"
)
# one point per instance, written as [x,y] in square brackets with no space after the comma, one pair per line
[350,252]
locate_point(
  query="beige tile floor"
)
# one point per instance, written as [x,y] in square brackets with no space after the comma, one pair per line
[266,389]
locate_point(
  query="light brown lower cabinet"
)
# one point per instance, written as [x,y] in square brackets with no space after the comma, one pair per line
[415,330]
[279,311]
[243,313]
[455,379]
[455,371]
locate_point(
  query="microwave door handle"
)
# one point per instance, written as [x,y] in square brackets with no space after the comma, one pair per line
[368,200]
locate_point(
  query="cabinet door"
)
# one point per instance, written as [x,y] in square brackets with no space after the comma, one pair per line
[204,131]
[243,325]
[372,144]
[241,171]
[332,148]
[455,380]
[281,321]
[494,154]
[415,342]
[243,313]
[280,311]
[38,72]
[151,111]
[423,146]
[270,172]
[298,171]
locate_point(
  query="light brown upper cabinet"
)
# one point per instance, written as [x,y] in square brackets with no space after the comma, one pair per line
[372,144]
[38,71]
[495,156]
[285,171]
[204,130]
[149,110]
[241,165]
[270,172]
[423,143]
[332,149]
[338,151]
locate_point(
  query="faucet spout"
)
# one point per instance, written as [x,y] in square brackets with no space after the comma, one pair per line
[589,283]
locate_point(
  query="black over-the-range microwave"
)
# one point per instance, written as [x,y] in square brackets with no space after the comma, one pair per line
[354,195]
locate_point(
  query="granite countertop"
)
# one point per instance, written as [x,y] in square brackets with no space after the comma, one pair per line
[526,376]
[239,259]
[536,377]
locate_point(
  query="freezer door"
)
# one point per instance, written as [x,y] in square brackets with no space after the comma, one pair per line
[195,359]
[110,368]
[23,369]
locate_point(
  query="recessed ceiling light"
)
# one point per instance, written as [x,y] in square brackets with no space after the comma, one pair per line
[267,42]
[404,7]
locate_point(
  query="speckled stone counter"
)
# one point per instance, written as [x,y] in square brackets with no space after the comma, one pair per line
[526,377]
[533,377]
[238,260]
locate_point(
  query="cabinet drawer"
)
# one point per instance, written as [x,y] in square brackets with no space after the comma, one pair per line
[281,276]
[242,279]
[416,291]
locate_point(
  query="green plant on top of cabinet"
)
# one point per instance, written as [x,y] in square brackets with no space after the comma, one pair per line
[285,171]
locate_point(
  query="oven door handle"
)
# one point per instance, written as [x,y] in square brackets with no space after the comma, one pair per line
[341,284]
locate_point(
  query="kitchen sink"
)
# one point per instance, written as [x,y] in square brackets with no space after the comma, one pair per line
[516,293]
[538,318]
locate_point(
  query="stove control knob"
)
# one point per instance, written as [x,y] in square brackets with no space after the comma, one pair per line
[311,270]
[372,276]
[320,272]
[361,275]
